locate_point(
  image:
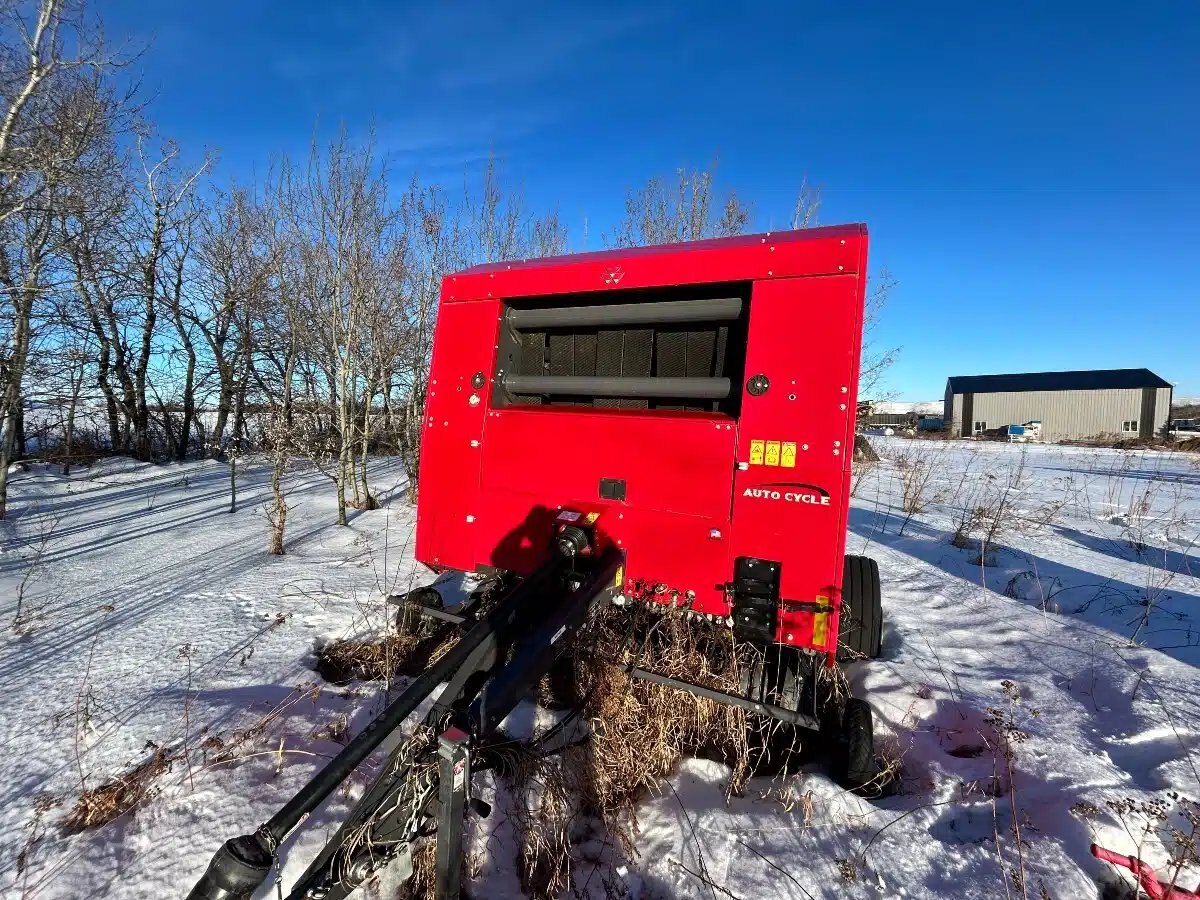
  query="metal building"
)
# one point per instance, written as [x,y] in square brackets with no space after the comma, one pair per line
[1069,405]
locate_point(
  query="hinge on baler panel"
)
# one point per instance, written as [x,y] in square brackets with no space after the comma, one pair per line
[755,599]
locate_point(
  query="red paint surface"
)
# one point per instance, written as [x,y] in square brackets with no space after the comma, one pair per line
[686,514]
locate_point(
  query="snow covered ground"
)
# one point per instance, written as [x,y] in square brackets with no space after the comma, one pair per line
[1030,685]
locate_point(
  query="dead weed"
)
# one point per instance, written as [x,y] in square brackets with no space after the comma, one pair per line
[113,799]
[407,653]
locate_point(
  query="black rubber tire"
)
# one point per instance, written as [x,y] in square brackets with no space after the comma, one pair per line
[858,745]
[860,633]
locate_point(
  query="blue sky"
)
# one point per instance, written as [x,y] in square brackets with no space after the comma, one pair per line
[1028,171]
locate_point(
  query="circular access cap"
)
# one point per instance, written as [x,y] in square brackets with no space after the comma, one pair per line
[477,380]
[757,386]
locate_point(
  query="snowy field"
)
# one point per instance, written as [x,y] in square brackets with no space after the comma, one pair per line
[1037,689]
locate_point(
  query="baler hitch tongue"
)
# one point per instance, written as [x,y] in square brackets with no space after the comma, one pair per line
[424,786]
[236,871]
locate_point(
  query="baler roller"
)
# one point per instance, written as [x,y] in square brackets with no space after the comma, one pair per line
[619,386]
[664,312]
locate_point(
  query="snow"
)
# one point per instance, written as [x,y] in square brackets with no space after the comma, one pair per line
[152,616]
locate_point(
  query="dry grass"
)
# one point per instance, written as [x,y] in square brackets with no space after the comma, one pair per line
[921,470]
[383,659]
[640,733]
[125,793]
[424,878]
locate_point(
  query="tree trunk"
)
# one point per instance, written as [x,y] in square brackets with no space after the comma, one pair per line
[279,512]
[19,430]
[341,490]
[142,448]
[189,405]
[198,425]
[69,440]
[281,452]
[112,411]
[168,430]
[82,261]
[368,500]
[12,417]
[232,478]
[189,377]
[224,407]
[6,452]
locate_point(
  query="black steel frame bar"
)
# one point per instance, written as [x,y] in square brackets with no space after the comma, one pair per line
[794,717]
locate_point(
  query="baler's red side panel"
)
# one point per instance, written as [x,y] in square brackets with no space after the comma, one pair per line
[452,437]
[795,442]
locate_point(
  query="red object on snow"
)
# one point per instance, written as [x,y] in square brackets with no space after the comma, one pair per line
[1145,874]
[698,398]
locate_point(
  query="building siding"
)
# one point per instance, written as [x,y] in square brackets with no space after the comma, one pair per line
[1162,410]
[1065,415]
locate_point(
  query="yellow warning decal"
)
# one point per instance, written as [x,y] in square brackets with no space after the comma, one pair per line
[772,453]
[591,517]
[620,579]
[821,625]
[787,455]
[756,452]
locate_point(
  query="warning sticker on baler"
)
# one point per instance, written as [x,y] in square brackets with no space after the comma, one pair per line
[772,458]
[756,452]
[787,455]
[821,625]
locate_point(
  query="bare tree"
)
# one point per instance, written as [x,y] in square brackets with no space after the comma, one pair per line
[176,296]
[47,49]
[432,248]
[690,208]
[876,360]
[339,223]
[807,207]
[235,270]
[686,209]
[492,224]
[159,217]
[52,136]
[24,261]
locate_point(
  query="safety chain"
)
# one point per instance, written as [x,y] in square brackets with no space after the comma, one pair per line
[265,835]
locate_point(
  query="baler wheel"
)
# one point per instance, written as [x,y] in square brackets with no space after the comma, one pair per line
[861,630]
[857,763]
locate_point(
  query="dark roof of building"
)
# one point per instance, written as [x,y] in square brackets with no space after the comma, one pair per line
[1085,380]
